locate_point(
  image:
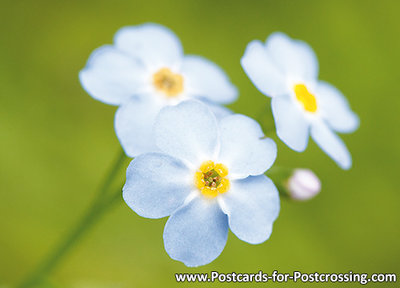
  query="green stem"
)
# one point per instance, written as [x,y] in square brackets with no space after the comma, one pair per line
[101,204]
[264,117]
[280,175]
[111,175]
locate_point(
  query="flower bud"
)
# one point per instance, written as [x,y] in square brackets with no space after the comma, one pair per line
[303,184]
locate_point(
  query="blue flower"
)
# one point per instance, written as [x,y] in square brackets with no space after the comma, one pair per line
[146,70]
[207,178]
[287,71]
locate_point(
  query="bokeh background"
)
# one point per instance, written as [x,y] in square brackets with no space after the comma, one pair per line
[57,142]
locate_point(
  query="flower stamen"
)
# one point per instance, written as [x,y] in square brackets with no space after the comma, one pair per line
[307,99]
[210,179]
[168,82]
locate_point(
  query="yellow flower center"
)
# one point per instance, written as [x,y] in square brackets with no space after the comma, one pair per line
[210,179]
[168,82]
[305,98]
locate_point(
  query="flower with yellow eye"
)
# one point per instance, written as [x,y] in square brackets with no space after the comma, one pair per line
[287,71]
[211,179]
[146,70]
[208,178]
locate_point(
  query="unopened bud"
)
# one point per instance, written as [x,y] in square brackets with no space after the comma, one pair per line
[303,184]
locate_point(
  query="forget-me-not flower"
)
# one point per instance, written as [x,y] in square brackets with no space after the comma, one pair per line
[208,178]
[144,70]
[287,71]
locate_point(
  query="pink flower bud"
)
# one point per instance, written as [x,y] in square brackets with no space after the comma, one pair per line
[303,184]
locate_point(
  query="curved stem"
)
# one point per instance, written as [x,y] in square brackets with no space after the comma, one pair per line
[101,204]
[112,173]
[264,117]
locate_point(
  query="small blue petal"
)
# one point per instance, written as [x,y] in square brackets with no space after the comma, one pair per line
[152,44]
[134,126]
[156,185]
[262,71]
[187,131]
[206,80]
[295,58]
[335,109]
[242,149]
[197,233]
[219,111]
[291,124]
[252,205]
[112,77]
[331,144]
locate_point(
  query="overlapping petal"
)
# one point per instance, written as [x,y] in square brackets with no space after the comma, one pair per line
[206,80]
[335,109]
[154,45]
[197,233]
[161,184]
[331,144]
[291,124]
[293,58]
[134,123]
[252,205]
[156,185]
[294,61]
[219,111]
[242,149]
[187,131]
[262,71]
[111,76]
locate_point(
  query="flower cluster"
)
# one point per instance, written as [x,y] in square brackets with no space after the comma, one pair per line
[196,161]
[207,177]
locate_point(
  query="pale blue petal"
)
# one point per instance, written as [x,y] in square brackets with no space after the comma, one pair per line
[294,58]
[252,205]
[187,131]
[111,76]
[331,144]
[206,80]
[153,44]
[134,123]
[262,71]
[335,109]
[219,111]
[290,122]
[197,233]
[156,185]
[242,150]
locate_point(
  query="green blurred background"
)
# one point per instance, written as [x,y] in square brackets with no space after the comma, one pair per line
[57,142]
